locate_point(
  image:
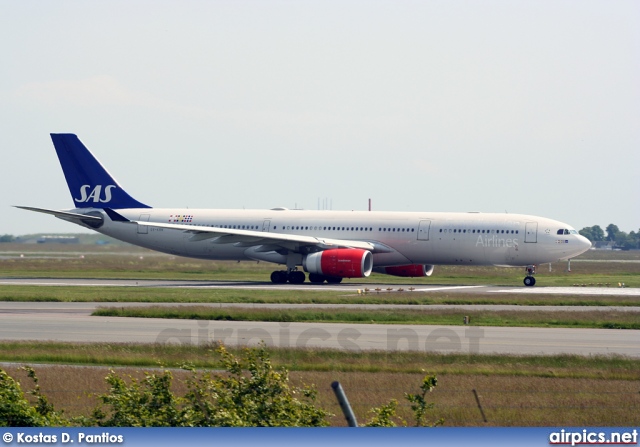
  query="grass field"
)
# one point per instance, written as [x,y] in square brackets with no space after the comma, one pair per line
[513,390]
[582,319]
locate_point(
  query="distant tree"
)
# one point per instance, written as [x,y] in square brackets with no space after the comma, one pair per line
[7,238]
[594,233]
[612,231]
[628,241]
[598,233]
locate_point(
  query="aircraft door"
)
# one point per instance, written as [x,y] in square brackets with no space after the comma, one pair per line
[266,225]
[142,229]
[423,230]
[531,232]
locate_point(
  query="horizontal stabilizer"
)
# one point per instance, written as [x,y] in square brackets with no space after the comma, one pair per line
[61,214]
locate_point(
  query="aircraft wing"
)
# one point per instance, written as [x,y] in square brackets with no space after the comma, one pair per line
[248,238]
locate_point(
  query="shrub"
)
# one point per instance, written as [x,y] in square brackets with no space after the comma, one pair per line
[17,411]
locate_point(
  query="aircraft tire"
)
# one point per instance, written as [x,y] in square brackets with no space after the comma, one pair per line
[316,278]
[334,279]
[529,281]
[297,277]
[279,277]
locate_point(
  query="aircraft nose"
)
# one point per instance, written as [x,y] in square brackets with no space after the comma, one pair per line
[584,243]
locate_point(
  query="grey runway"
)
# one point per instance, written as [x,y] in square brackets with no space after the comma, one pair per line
[71,322]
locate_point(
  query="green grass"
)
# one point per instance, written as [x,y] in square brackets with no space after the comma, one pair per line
[206,295]
[578,319]
[151,355]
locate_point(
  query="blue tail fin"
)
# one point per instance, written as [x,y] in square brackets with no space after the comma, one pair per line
[90,184]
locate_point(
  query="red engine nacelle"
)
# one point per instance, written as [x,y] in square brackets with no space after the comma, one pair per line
[407,271]
[340,262]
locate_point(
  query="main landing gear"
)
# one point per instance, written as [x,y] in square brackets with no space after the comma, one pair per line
[298,277]
[283,276]
[319,279]
[529,280]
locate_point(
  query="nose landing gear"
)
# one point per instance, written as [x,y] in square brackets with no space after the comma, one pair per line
[529,280]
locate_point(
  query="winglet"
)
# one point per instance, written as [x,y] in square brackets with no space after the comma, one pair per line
[90,184]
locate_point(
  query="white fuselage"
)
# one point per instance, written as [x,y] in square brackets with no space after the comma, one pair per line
[402,237]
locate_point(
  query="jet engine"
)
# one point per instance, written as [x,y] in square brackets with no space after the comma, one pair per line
[407,271]
[340,262]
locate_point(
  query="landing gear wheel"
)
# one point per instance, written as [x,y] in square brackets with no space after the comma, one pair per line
[334,279]
[316,278]
[529,281]
[296,277]
[279,277]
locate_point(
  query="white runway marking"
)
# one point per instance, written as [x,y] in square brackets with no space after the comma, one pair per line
[574,291]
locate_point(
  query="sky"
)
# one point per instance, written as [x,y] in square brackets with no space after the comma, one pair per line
[526,107]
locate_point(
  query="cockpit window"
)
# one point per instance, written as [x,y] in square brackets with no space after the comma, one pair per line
[566,231]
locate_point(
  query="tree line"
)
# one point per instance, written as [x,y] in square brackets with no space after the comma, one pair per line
[620,239]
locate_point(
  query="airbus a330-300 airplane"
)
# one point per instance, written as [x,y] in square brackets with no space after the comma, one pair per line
[329,245]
